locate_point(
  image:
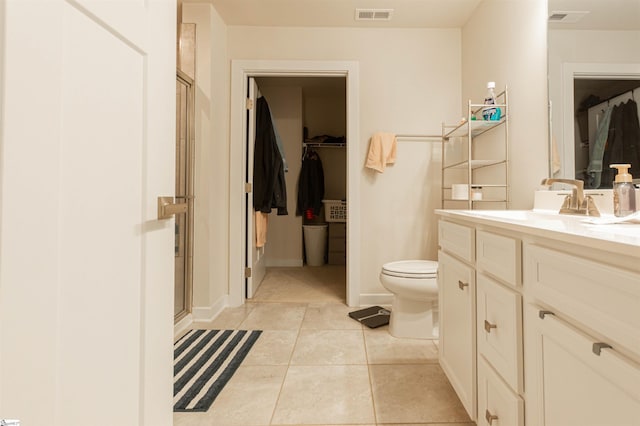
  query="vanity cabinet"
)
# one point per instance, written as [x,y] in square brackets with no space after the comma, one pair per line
[573,379]
[457,304]
[557,320]
[457,327]
[499,329]
[582,328]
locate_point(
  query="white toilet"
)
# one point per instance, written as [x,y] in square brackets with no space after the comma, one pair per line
[414,284]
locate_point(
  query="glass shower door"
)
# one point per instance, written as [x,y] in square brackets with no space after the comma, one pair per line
[184,194]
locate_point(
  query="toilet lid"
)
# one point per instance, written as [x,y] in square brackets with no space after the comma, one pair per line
[411,268]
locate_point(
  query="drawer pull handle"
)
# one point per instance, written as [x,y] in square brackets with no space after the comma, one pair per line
[462,285]
[599,346]
[490,417]
[488,326]
[542,314]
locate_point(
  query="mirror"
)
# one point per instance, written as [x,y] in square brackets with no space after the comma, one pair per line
[594,63]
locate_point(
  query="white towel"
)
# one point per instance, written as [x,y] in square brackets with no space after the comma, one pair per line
[382,151]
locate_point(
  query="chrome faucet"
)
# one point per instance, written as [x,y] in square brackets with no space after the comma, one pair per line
[576,203]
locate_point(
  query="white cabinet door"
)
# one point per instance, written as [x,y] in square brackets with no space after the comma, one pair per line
[572,382]
[457,328]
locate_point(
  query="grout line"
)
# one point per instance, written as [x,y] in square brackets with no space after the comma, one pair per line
[366,355]
[295,343]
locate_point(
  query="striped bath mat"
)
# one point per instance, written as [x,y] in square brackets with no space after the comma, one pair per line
[203,362]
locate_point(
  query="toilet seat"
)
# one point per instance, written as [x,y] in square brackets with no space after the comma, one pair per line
[416,269]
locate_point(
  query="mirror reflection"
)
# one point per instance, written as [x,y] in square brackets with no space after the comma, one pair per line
[594,88]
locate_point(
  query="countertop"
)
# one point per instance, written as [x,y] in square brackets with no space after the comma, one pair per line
[623,238]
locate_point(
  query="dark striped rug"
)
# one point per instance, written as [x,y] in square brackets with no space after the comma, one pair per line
[203,362]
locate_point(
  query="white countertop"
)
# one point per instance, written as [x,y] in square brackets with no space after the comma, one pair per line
[621,238]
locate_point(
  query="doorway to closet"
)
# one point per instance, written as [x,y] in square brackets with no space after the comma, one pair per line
[304,257]
[592,97]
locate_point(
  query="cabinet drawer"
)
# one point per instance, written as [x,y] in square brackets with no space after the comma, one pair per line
[497,404]
[575,383]
[499,329]
[499,256]
[457,239]
[602,297]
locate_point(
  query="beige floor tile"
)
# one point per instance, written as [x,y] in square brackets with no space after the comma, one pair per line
[383,348]
[414,394]
[249,398]
[329,316]
[301,285]
[274,316]
[228,319]
[329,347]
[191,419]
[331,395]
[274,347]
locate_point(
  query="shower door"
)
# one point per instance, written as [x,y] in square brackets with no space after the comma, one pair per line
[184,194]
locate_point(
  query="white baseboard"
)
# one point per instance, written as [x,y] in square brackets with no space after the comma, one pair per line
[209,313]
[182,325]
[383,299]
[283,263]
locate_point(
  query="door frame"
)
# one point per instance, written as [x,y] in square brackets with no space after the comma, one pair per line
[241,70]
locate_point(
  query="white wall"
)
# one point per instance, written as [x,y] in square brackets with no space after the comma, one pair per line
[505,41]
[408,90]
[211,186]
[582,47]
[325,114]
[284,236]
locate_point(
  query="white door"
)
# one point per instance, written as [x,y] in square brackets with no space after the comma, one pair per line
[86,273]
[254,255]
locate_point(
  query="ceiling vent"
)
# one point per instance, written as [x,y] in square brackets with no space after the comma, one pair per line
[374,14]
[567,17]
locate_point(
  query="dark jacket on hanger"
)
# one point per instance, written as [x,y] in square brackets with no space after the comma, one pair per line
[623,143]
[269,187]
[310,184]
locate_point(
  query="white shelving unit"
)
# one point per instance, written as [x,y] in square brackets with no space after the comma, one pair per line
[463,169]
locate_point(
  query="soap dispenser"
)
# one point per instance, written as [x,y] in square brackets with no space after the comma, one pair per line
[624,193]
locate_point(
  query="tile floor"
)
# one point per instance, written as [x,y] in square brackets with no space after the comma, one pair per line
[313,365]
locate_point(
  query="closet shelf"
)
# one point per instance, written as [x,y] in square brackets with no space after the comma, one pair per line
[323,145]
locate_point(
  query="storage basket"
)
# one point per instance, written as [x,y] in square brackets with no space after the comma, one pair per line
[335,210]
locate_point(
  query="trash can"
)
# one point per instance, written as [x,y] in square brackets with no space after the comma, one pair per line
[315,243]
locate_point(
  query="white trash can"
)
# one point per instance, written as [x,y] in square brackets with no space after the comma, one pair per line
[315,243]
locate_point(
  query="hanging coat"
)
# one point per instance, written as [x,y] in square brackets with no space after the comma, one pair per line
[310,184]
[269,187]
[623,143]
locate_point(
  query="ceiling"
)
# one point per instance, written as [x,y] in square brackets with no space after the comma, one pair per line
[618,15]
[604,14]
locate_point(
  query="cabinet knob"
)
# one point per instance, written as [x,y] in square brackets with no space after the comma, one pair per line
[462,285]
[490,417]
[488,326]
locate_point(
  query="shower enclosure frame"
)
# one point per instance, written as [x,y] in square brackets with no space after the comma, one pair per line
[185,161]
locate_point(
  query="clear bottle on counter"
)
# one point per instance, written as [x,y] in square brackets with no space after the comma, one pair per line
[624,192]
